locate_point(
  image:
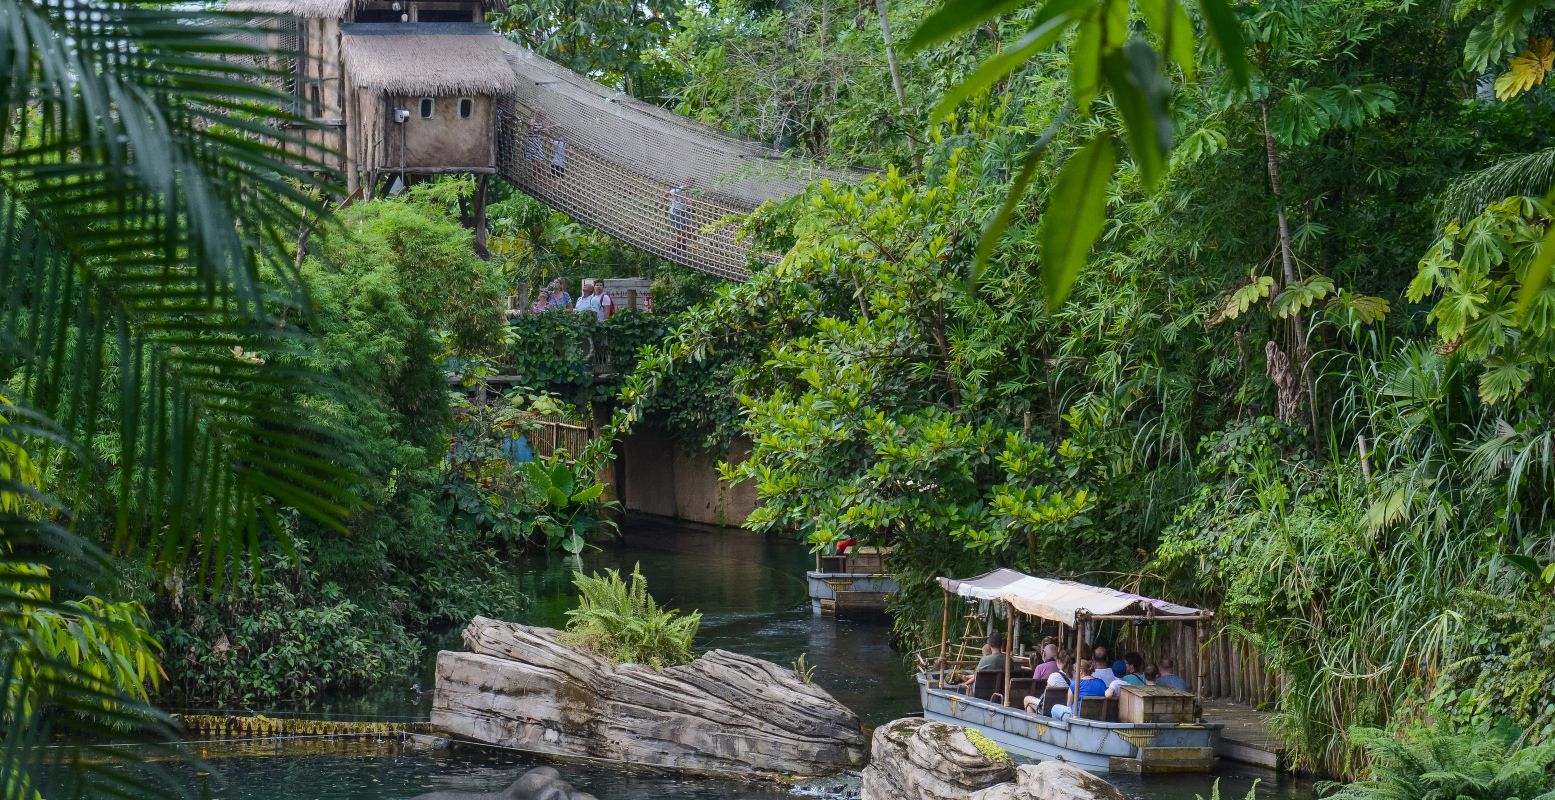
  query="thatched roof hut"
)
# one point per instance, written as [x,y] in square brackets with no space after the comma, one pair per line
[428,60]
[307,9]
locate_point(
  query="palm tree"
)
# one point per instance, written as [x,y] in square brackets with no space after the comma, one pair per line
[147,201]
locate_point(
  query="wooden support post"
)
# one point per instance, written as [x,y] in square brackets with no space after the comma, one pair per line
[1198,640]
[1009,628]
[1079,646]
[944,633]
[480,216]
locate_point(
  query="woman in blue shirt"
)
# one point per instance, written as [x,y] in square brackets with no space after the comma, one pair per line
[1088,686]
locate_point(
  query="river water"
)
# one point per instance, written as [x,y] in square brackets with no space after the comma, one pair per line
[752,595]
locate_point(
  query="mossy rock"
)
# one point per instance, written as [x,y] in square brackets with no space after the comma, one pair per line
[988,747]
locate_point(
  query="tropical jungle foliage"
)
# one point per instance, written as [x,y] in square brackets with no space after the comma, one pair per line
[1302,379]
[617,618]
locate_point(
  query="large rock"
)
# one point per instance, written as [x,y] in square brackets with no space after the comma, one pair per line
[525,688]
[1052,780]
[914,759]
[540,783]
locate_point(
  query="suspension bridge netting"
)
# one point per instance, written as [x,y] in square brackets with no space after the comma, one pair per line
[620,158]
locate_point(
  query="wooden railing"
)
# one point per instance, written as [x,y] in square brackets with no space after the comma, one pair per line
[557,435]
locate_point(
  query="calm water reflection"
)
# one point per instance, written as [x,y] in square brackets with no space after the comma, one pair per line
[752,595]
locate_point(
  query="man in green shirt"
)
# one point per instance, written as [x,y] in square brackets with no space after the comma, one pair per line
[993,654]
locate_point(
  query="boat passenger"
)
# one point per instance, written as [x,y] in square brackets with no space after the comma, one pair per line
[1133,667]
[1088,686]
[1104,666]
[1169,677]
[1057,679]
[993,657]
[1049,664]
[1060,677]
[1151,673]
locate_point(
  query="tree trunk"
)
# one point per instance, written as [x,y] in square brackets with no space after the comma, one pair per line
[896,79]
[1298,331]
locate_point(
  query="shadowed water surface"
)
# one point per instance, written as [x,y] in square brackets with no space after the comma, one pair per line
[752,595]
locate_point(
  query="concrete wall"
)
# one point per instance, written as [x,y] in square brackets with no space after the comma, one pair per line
[654,475]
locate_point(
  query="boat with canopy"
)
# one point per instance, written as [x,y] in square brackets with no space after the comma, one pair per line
[1145,729]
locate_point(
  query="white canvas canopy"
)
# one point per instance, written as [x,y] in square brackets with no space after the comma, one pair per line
[1064,601]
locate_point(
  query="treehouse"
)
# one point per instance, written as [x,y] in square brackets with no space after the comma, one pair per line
[393,92]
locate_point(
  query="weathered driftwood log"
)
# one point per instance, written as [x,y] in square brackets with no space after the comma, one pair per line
[523,687]
[914,759]
[540,783]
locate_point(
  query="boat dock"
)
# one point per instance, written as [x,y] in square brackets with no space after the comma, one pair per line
[1248,735]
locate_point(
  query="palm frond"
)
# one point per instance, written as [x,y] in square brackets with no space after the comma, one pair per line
[150,183]
[1530,174]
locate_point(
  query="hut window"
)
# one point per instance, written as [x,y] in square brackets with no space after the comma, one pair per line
[315,105]
[427,107]
[466,107]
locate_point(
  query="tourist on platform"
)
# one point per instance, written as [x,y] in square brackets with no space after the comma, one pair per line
[560,298]
[607,304]
[1103,666]
[589,302]
[1088,686]
[1151,674]
[542,302]
[1048,666]
[1169,677]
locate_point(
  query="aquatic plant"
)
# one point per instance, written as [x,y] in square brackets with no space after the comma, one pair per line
[1214,792]
[805,670]
[617,618]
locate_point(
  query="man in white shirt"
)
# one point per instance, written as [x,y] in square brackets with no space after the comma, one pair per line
[589,302]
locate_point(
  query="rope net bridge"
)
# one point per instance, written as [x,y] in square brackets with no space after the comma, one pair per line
[619,160]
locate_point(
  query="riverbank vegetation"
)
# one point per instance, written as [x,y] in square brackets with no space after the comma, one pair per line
[1302,377]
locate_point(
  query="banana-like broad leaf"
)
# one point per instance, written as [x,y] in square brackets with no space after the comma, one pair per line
[1140,92]
[1301,295]
[1236,304]
[589,493]
[956,16]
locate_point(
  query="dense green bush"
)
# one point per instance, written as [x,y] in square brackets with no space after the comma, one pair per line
[553,502]
[284,638]
[397,290]
[618,619]
[558,351]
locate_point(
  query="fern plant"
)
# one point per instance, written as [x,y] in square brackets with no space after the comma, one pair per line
[1437,765]
[617,618]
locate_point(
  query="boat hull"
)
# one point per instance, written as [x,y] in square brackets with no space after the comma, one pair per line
[1088,744]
